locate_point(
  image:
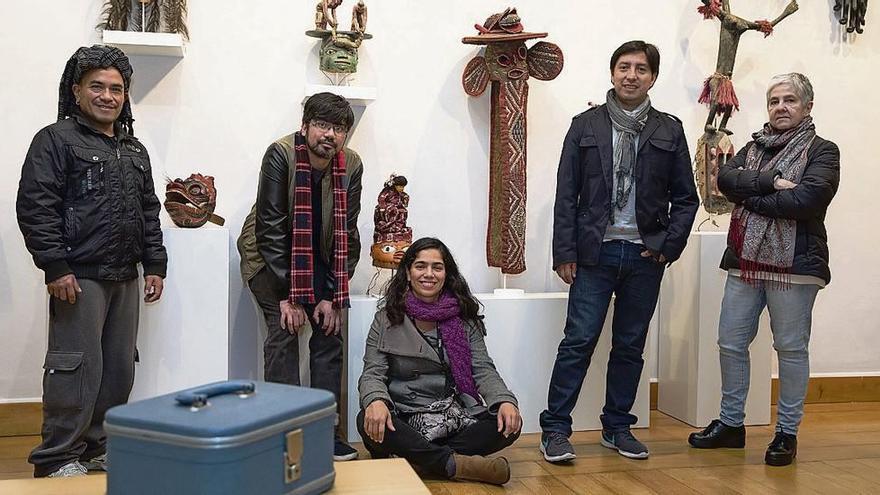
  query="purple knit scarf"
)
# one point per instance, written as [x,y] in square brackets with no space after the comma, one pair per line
[446,313]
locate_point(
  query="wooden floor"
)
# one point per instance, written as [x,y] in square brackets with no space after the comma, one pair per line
[839,452]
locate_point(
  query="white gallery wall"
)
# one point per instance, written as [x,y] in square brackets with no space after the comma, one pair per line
[241,85]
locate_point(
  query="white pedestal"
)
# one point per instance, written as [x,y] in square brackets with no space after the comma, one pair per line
[689,373]
[183,339]
[523,335]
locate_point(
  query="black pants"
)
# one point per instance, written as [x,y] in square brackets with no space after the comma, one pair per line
[481,438]
[89,368]
[281,348]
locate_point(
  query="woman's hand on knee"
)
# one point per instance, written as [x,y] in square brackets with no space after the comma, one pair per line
[377,417]
[509,420]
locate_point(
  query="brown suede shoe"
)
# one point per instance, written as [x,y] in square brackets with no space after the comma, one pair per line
[483,469]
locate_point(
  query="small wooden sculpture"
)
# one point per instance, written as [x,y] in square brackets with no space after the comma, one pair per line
[339,49]
[391,235]
[190,203]
[713,150]
[852,14]
[359,17]
[718,90]
[507,63]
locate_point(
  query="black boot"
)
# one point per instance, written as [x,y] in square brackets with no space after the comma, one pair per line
[782,450]
[718,435]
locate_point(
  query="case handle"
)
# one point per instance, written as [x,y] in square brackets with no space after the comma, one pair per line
[198,398]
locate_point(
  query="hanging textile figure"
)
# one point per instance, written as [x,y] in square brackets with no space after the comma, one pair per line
[507,63]
[718,93]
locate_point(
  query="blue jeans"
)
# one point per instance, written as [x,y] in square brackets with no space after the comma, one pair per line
[635,282]
[790,320]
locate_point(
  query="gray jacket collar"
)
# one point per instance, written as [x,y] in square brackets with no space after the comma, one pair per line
[404,340]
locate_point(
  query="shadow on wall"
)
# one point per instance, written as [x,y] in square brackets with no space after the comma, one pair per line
[27,333]
[246,330]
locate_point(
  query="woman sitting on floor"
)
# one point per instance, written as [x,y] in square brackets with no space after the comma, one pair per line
[429,391]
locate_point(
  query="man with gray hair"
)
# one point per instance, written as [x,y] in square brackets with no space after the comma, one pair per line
[777,257]
[89,215]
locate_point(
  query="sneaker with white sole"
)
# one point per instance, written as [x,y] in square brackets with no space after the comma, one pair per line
[98,463]
[556,447]
[69,470]
[625,444]
[343,451]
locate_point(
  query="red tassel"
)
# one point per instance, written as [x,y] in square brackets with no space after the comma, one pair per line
[765,27]
[706,95]
[710,11]
[725,96]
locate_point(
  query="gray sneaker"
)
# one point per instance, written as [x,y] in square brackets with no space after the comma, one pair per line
[625,444]
[98,463]
[70,470]
[556,447]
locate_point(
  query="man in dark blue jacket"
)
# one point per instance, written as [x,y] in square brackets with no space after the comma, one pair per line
[89,214]
[625,204]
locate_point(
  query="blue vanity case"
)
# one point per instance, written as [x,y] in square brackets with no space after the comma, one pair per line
[234,437]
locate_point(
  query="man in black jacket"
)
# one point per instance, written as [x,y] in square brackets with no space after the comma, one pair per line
[625,204]
[89,214]
[777,256]
[300,245]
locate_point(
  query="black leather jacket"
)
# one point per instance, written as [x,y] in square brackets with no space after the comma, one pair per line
[666,197]
[265,235]
[86,204]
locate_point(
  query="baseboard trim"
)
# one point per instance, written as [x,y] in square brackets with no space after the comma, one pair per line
[25,418]
[20,418]
[836,389]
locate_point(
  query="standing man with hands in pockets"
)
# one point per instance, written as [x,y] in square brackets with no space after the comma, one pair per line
[625,205]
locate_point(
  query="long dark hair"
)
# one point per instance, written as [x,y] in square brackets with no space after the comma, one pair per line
[394,301]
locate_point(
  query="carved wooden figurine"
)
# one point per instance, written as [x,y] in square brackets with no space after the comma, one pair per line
[718,90]
[714,147]
[359,17]
[339,49]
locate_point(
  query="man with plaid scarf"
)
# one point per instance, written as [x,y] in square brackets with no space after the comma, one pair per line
[300,245]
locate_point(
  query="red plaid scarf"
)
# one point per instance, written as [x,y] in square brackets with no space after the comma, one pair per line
[302,272]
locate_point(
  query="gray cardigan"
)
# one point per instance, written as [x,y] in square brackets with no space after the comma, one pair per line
[397,358]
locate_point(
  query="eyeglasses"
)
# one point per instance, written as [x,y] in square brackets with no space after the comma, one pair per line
[326,126]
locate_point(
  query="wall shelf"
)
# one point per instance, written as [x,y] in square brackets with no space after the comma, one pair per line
[140,43]
[356,95]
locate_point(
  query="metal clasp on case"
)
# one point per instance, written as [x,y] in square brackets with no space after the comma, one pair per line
[293,456]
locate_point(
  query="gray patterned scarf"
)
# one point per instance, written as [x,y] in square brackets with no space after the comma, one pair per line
[765,244]
[628,128]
